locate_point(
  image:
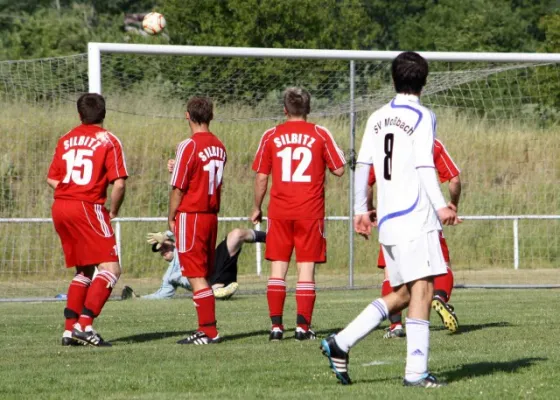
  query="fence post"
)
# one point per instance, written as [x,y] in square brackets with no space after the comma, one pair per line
[118,240]
[258,252]
[351,163]
[516,243]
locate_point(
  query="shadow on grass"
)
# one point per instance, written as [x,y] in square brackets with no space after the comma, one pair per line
[475,327]
[150,336]
[288,335]
[473,370]
[488,368]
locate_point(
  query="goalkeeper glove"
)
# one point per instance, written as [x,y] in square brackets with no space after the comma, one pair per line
[157,238]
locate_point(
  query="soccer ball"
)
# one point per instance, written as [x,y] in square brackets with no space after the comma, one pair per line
[153,23]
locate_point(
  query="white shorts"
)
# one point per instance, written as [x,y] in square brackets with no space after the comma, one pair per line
[419,258]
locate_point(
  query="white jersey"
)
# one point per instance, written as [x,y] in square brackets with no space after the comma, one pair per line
[399,139]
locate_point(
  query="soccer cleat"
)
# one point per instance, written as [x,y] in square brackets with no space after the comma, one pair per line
[128,293]
[304,335]
[226,292]
[200,338]
[447,314]
[338,359]
[276,334]
[397,332]
[67,339]
[89,338]
[429,381]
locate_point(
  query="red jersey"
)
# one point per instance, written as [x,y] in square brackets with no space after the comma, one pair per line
[199,167]
[85,161]
[445,166]
[296,153]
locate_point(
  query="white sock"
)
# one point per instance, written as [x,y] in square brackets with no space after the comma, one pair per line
[362,325]
[417,348]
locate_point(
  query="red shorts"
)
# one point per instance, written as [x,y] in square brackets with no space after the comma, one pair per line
[444,249]
[85,232]
[306,235]
[195,235]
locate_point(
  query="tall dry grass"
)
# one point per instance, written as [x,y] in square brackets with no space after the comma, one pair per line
[508,168]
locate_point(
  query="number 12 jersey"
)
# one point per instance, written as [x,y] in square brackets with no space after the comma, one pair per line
[399,139]
[296,154]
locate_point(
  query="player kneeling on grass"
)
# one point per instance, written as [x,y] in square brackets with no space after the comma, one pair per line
[296,154]
[398,141]
[447,171]
[223,281]
[164,244]
[86,160]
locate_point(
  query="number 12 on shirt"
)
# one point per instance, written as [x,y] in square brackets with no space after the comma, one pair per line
[215,170]
[299,153]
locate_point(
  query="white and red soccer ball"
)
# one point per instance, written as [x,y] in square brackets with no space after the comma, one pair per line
[153,23]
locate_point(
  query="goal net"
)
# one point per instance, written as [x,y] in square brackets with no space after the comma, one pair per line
[498,120]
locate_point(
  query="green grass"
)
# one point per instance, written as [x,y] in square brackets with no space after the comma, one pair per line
[508,348]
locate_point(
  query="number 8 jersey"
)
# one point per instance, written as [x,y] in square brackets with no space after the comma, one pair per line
[399,139]
[297,153]
[85,161]
[199,167]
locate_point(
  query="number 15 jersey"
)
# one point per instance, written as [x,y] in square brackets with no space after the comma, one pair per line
[398,140]
[85,161]
[296,154]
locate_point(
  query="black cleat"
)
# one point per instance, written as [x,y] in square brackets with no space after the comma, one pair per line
[447,314]
[128,293]
[276,334]
[89,338]
[338,359]
[68,340]
[304,335]
[199,338]
[429,381]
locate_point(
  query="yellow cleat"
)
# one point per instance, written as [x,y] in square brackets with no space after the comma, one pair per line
[446,313]
[226,292]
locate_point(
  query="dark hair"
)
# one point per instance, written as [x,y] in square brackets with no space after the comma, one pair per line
[297,101]
[409,70]
[200,109]
[91,107]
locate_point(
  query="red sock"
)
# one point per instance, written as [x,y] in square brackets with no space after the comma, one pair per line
[77,292]
[395,319]
[443,285]
[276,296]
[305,299]
[205,304]
[98,294]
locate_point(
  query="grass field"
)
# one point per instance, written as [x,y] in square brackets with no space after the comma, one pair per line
[507,348]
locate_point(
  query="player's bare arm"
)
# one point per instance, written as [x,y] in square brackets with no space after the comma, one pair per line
[260,186]
[175,197]
[53,183]
[117,197]
[362,218]
[454,192]
[338,172]
[170,165]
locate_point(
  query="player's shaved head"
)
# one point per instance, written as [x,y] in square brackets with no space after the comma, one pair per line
[200,109]
[409,70]
[91,107]
[297,102]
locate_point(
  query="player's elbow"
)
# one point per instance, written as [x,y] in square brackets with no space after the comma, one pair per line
[119,184]
[338,172]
